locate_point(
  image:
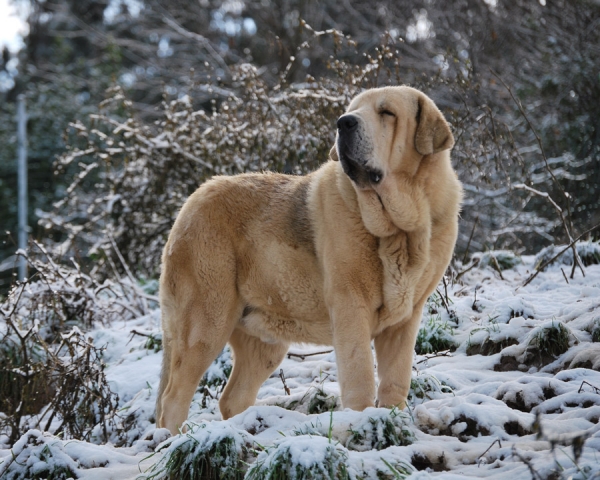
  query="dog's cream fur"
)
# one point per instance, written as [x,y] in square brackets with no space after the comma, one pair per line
[263,260]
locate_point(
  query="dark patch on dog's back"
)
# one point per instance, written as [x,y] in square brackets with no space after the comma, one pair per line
[300,225]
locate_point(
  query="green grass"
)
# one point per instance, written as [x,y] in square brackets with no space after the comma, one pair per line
[381,432]
[550,341]
[38,457]
[208,452]
[315,458]
[154,342]
[435,335]
[425,386]
[321,402]
[399,471]
[500,259]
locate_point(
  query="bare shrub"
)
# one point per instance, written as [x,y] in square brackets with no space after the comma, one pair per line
[51,375]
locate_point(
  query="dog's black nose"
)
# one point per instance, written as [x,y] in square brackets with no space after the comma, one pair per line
[347,123]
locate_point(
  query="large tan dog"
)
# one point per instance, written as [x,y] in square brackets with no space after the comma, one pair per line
[342,256]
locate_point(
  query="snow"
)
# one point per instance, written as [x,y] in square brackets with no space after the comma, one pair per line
[472,412]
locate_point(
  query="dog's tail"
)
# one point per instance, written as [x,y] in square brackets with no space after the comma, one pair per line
[164,379]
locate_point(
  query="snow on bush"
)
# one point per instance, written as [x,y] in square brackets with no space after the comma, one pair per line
[36,456]
[211,451]
[301,458]
[435,335]
[589,252]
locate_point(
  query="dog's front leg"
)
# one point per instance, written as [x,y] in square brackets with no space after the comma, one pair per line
[352,344]
[394,348]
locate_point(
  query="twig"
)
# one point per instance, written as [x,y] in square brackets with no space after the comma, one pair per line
[206,392]
[285,387]
[498,269]
[470,238]
[200,39]
[302,356]
[576,259]
[444,299]
[564,275]
[596,389]
[548,262]
[534,473]
[429,356]
[474,306]
[135,332]
[468,269]
[488,449]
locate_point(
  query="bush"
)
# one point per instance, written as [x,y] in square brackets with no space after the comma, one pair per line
[51,374]
[36,456]
[547,343]
[207,451]
[380,432]
[301,458]
[589,252]
[130,179]
[60,388]
[498,259]
[425,386]
[435,335]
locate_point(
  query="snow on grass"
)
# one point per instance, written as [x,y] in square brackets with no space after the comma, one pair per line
[515,389]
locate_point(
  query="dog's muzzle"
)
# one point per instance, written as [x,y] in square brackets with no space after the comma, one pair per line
[350,146]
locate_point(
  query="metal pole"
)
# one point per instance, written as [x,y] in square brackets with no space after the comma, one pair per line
[23,229]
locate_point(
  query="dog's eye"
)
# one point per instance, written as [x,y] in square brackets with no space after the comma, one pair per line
[387,112]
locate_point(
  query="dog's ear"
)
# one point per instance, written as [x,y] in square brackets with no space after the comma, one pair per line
[433,133]
[333,154]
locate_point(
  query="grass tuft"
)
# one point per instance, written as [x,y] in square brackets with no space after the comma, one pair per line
[549,342]
[301,458]
[589,252]
[435,335]
[381,432]
[321,402]
[36,456]
[425,386]
[499,259]
[208,451]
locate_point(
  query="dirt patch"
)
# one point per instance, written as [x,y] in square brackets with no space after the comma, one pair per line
[422,462]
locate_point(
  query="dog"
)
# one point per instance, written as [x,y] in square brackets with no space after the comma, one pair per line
[343,256]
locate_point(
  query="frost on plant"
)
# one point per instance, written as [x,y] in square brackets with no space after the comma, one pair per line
[435,335]
[61,388]
[219,371]
[301,458]
[36,456]
[589,252]
[388,428]
[424,386]
[208,451]
[321,402]
[548,342]
[498,259]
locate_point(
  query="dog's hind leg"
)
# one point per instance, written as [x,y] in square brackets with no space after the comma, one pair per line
[253,362]
[196,334]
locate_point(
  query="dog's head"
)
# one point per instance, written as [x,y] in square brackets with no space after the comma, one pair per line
[388,130]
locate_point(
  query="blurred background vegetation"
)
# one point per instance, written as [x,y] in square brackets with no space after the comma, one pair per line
[138,101]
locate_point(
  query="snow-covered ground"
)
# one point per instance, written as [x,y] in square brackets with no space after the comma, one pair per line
[504,404]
